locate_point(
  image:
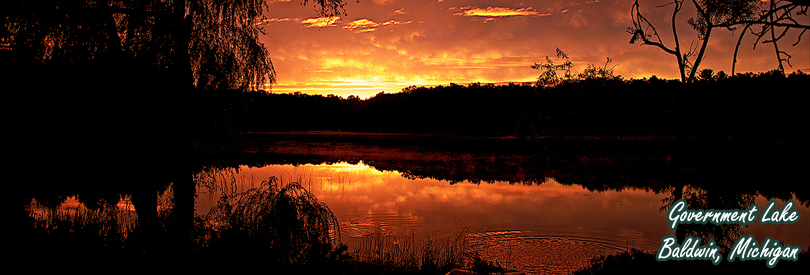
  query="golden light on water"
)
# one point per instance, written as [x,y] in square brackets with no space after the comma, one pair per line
[556,227]
[358,192]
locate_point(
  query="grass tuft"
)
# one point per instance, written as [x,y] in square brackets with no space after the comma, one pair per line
[280,222]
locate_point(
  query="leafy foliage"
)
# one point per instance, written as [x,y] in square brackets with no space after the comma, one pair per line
[725,12]
[224,46]
[279,222]
[550,77]
[213,44]
[593,72]
[708,15]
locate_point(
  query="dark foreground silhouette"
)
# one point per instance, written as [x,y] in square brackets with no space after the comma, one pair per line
[280,227]
[732,138]
[763,106]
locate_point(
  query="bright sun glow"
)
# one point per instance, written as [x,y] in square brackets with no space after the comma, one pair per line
[389,45]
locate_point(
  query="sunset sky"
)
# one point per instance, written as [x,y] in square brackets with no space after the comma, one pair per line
[385,45]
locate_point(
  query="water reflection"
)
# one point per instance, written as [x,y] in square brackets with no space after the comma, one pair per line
[548,227]
[546,208]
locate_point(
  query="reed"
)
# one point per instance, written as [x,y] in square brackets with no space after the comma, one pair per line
[99,232]
[277,221]
[275,225]
[382,252]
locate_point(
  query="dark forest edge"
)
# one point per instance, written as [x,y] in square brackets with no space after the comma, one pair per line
[763,106]
[651,130]
[759,107]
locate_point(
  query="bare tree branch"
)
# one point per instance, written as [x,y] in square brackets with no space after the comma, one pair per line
[728,14]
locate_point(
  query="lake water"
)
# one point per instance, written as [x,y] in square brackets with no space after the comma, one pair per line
[542,207]
[548,228]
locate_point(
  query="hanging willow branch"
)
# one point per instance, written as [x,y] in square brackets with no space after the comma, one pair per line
[207,44]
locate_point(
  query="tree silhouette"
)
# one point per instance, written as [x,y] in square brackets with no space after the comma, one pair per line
[779,14]
[205,44]
[129,66]
[717,14]
[709,15]
[549,77]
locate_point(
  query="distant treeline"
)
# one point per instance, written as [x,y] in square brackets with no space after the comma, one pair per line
[766,105]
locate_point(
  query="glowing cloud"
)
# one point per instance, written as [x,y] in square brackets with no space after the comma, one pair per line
[285,19]
[365,25]
[499,12]
[394,22]
[383,52]
[321,22]
[399,12]
[361,25]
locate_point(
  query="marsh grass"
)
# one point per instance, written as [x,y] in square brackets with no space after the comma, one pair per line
[394,252]
[277,221]
[382,252]
[275,225]
[101,231]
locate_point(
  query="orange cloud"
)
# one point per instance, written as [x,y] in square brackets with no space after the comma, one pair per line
[365,25]
[285,19]
[361,25]
[499,12]
[277,19]
[399,12]
[394,22]
[444,47]
[321,22]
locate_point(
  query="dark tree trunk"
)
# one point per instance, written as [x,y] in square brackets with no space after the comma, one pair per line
[145,201]
[183,184]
